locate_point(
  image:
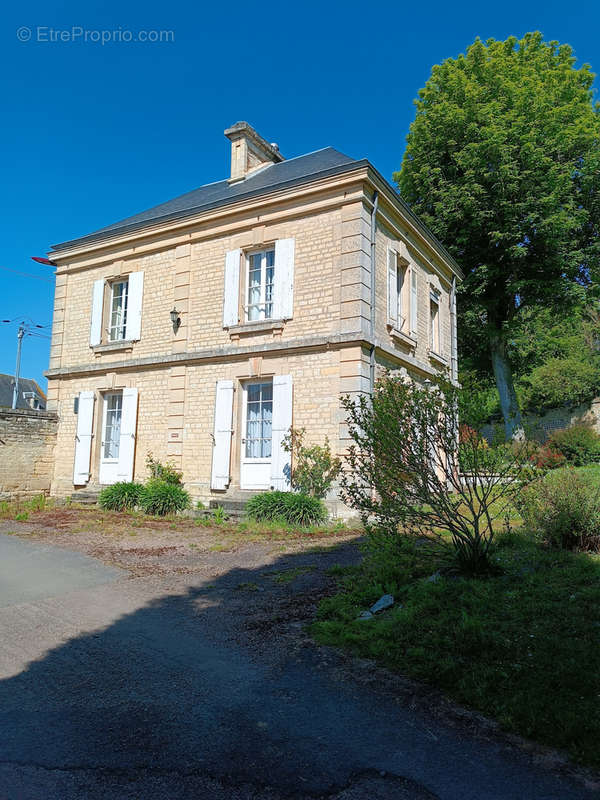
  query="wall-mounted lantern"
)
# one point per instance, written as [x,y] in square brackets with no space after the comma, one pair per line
[175,319]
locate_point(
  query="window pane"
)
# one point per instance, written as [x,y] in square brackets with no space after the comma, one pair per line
[259,411]
[118,310]
[269,282]
[112,430]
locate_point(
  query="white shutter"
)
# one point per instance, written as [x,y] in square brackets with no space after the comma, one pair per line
[96,319]
[283,290]
[231,299]
[281,424]
[83,438]
[127,439]
[222,435]
[392,281]
[135,292]
[414,299]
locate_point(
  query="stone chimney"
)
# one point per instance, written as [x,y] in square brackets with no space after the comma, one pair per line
[249,151]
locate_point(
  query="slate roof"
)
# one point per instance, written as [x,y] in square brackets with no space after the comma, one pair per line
[290,172]
[25,385]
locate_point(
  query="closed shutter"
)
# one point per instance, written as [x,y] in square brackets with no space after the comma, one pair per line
[135,292]
[283,290]
[127,438]
[96,319]
[222,435]
[83,438]
[392,288]
[414,299]
[282,422]
[231,297]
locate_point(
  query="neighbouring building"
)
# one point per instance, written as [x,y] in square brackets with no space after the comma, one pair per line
[29,396]
[203,328]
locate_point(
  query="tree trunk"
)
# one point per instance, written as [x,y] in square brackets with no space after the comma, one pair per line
[509,405]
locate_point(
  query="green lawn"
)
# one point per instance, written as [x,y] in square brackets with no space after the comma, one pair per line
[523,647]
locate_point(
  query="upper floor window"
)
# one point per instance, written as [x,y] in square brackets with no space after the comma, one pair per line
[434,321]
[116,314]
[259,284]
[260,281]
[399,293]
[117,325]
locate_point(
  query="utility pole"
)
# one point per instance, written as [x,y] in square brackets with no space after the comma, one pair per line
[20,334]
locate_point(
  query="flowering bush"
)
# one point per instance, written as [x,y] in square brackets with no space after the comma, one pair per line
[545,457]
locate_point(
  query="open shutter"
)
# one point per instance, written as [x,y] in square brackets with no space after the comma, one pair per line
[392,288]
[282,422]
[96,320]
[231,299]
[83,438]
[283,290]
[127,438]
[222,435]
[414,299]
[135,292]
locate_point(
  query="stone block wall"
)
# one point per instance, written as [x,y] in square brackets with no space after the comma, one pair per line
[27,441]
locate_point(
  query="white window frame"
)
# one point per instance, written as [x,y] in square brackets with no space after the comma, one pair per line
[118,332]
[106,398]
[435,331]
[263,312]
[246,387]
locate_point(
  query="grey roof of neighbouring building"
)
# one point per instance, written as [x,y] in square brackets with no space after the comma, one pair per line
[273,176]
[7,383]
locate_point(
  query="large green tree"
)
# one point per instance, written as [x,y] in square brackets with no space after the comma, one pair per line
[503,163]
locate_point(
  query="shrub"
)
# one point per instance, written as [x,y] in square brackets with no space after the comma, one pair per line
[289,508]
[563,510]
[122,496]
[163,472]
[161,497]
[547,458]
[579,444]
[403,475]
[561,381]
[314,468]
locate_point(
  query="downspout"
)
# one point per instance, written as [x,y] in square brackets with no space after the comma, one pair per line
[453,342]
[372,321]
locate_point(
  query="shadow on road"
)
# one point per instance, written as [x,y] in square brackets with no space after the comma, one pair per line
[212,691]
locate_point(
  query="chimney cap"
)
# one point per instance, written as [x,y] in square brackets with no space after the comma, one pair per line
[245,129]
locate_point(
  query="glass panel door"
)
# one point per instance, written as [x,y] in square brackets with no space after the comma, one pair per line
[255,461]
[112,426]
[259,412]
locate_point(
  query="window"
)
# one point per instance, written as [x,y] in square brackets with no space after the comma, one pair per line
[260,281]
[434,320]
[259,415]
[113,406]
[117,324]
[116,310]
[414,299]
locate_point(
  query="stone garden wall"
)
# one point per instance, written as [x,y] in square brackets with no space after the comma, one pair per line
[27,440]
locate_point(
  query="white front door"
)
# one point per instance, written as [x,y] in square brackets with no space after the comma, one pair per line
[256,450]
[111,437]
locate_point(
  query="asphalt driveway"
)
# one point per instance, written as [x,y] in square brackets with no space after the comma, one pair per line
[201,684]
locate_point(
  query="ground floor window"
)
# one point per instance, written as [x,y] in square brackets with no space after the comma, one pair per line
[259,414]
[111,433]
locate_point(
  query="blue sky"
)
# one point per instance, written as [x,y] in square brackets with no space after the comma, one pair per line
[92,133]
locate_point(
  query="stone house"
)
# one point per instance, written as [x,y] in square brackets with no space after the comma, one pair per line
[203,328]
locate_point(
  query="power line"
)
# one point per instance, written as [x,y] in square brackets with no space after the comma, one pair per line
[28,275]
